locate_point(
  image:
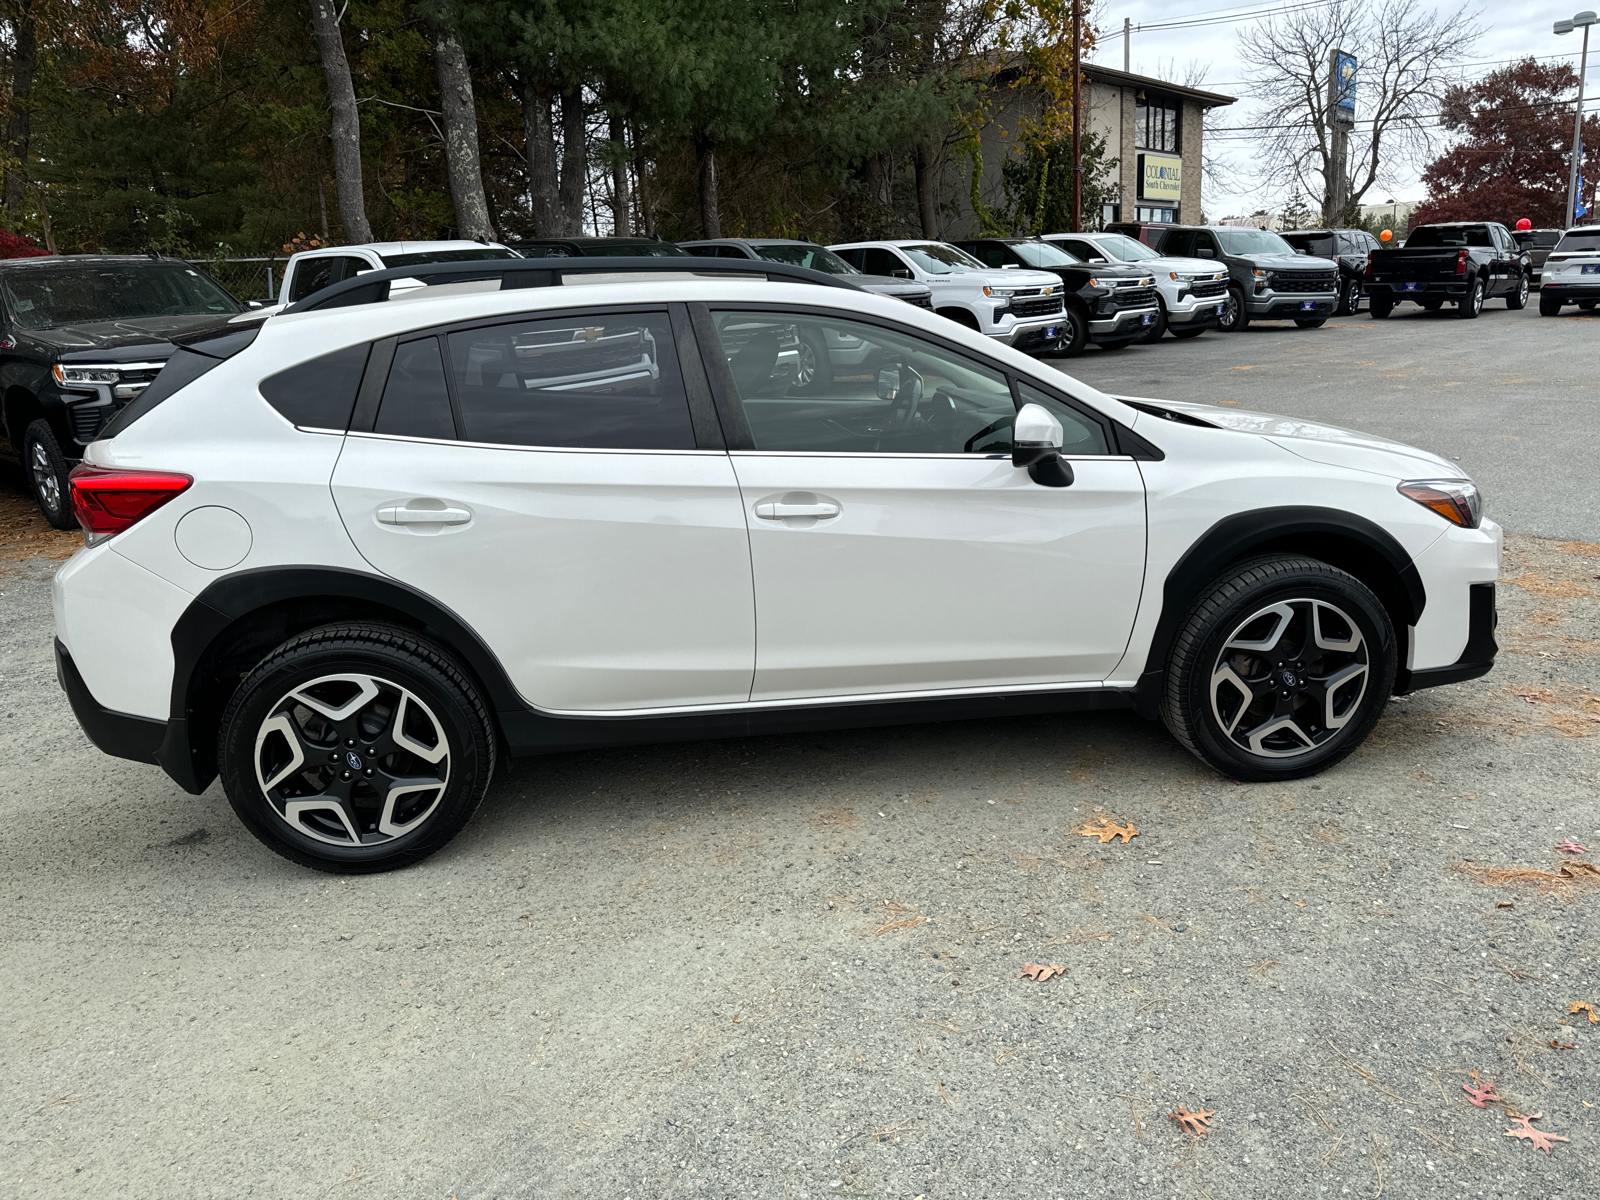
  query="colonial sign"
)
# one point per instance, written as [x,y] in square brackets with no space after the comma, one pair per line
[1160,177]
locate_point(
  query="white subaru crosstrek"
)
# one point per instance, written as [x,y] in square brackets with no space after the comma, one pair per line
[350,559]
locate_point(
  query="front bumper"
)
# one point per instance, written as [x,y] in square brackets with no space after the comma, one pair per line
[1204,312]
[1275,306]
[1477,657]
[1032,331]
[1125,322]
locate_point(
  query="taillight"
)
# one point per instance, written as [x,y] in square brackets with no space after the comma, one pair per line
[1369,264]
[1461,262]
[107,500]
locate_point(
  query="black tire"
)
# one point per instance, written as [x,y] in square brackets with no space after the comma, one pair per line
[1585,305]
[814,371]
[1119,344]
[1189,331]
[1549,306]
[47,470]
[1074,333]
[1349,298]
[1234,316]
[1517,299]
[1469,308]
[1157,329]
[1315,323]
[270,716]
[1206,684]
[1379,307]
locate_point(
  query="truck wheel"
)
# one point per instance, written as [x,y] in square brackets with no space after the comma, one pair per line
[356,748]
[1318,323]
[1119,344]
[1191,332]
[47,474]
[1519,298]
[1158,327]
[1549,306]
[1234,316]
[960,316]
[1349,299]
[1281,668]
[1469,308]
[1586,305]
[1074,333]
[1379,307]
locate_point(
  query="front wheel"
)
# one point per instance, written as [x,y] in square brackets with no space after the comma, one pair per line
[47,475]
[1349,298]
[1192,331]
[356,748]
[1233,317]
[1158,327]
[1519,298]
[1119,344]
[1280,669]
[1473,304]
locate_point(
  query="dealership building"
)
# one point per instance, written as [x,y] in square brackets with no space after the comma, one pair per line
[1154,129]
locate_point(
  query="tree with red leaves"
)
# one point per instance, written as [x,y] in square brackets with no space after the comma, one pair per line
[1513,149]
[19,245]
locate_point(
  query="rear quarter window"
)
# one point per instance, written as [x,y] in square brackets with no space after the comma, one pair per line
[321,393]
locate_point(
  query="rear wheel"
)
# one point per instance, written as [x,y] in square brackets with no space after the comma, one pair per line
[1586,305]
[814,369]
[47,475]
[1379,307]
[1549,306]
[1280,669]
[1519,297]
[356,748]
[1470,307]
[1317,323]
[1349,298]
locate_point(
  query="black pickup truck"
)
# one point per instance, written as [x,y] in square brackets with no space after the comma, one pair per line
[1463,263]
[80,336]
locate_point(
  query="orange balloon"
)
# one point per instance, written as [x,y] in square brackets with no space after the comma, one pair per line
[1386,235]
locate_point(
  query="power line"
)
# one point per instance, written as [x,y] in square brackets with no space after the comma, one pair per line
[1232,132]
[1201,19]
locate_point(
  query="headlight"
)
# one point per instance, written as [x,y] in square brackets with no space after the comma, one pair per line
[1456,500]
[85,374]
[1261,274]
[1174,275]
[1003,293]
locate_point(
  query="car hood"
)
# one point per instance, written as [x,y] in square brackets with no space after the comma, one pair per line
[1290,262]
[97,337]
[1319,443]
[888,285]
[1185,266]
[1011,277]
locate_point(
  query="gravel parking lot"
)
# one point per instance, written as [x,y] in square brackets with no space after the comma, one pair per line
[789,967]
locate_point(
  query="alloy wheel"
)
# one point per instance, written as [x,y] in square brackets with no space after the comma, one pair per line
[47,484]
[1289,678]
[805,371]
[1229,319]
[352,760]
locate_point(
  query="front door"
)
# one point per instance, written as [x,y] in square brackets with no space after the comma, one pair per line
[542,479]
[895,547]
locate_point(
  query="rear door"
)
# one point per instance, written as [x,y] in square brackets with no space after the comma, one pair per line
[896,548]
[558,482]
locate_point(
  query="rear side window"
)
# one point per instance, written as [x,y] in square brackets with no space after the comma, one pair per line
[604,382]
[416,402]
[319,394]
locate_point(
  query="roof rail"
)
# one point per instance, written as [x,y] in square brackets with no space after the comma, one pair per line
[373,286]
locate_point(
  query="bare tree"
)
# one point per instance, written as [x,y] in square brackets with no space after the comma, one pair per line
[22,15]
[538,122]
[1408,53]
[346,133]
[460,125]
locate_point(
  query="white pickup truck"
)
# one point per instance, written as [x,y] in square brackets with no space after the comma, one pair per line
[1021,308]
[312,270]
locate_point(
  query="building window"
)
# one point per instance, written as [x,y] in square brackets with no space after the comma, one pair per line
[1157,216]
[1110,213]
[1155,125]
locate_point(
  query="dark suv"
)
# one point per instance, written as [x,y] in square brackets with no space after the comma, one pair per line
[1347,247]
[1268,280]
[81,336]
[597,247]
[1108,304]
[1538,243]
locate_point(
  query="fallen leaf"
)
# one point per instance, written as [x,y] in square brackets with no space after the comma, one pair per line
[1571,847]
[1196,1123]
[1481,1097]
[1578,1006]
[1504,904]
[1299,903]
[1108,829]
[1555,1045]
[1540,1139]
[1039,972]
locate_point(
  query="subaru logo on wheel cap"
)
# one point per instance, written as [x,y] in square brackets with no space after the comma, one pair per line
[1288,681]
[352,760]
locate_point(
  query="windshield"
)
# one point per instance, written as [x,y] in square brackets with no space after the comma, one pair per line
[1444,237]
[43,298]
[1243,240]
[1584,242]
[817,258]
[1043,254]
[444,256]
[937,259]
[1124,248]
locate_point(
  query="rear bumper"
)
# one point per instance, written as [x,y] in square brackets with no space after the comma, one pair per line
[1477,658]
[1571,291]
[123,735]
[1455,292]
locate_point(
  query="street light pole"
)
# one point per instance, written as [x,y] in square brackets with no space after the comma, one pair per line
[1580,21]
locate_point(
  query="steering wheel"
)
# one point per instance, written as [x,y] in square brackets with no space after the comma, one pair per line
[906,400]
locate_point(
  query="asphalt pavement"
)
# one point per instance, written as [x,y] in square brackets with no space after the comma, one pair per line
[792,967]
[1512,396]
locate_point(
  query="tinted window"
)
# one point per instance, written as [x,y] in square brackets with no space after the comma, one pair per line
[1043,254]
[815,257]
[319,394]
[550,251]
[442,256]
[853,257]
[882,262]
[1448,236]
[1079,434]
[1583,241]
[936,258]
[1245,240]
[1179,243]
[1545,238]
[415,401]
[1083,250]
[832,385]
[313,274]
[990,254]
[1318,244]
[70,294]
[701,251]
[608,382]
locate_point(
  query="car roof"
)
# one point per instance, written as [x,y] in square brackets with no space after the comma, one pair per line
[47,260]
[898,242]
[410,247]
[766,241]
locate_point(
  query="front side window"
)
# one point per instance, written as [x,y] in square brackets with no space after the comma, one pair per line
[1155,125]
[1124,248]
[830,385]
[48,297]
[602,382]
[816,257]
[878,261]
[1044,254]
[936,258]
[990,254]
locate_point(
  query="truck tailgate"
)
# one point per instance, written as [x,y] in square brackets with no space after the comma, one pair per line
[1415,265]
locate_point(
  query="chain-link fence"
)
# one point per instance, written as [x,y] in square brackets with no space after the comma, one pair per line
[246,278]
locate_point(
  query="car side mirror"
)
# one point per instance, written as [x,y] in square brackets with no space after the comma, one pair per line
[895,381]
[1301,252]
[255,304]
[1096,258]
[1204,252]
[1036,438]
[900,273]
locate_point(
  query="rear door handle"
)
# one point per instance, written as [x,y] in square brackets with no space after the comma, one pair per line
[774,510]
[399,515]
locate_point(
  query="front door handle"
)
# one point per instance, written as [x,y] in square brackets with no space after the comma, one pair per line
[400,515]
[776,510]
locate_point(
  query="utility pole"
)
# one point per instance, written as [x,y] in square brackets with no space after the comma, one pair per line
[1077,116]
[1127,45]
[1583,20]
[1339,143]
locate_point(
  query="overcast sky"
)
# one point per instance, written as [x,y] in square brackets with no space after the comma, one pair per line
[1511,30]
